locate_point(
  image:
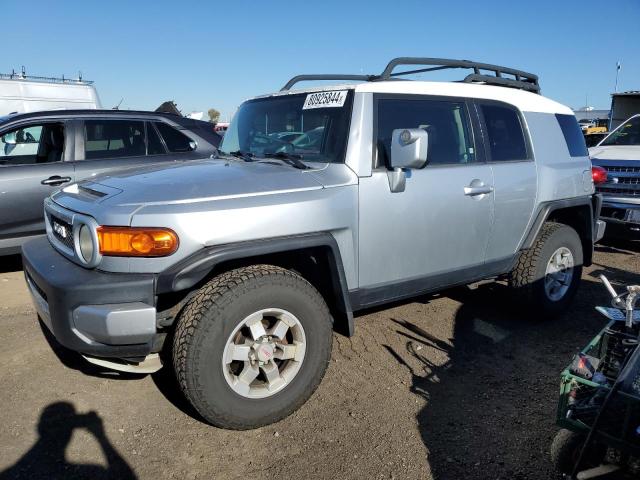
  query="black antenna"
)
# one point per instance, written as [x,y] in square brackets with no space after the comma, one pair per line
[117,107]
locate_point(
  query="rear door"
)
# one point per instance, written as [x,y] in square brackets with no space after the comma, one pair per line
[509,153]
[34,162]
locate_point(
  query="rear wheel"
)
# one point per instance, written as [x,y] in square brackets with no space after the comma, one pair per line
[548,274]
[252,346]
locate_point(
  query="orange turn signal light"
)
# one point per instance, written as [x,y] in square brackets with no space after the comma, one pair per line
[137,241]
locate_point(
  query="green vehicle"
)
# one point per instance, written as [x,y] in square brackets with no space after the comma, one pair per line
[599,405]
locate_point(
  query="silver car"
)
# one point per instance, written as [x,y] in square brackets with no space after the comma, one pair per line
[234,270]
[43,151]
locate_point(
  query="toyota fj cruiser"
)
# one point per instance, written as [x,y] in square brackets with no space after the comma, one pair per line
[235,269]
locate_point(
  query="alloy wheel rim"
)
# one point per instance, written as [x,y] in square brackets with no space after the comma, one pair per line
[559,273]
[264,353]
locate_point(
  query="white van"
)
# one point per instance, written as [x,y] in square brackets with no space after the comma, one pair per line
[20,93]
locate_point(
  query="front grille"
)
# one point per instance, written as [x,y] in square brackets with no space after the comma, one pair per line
[62,231]
[617,169]
[622,181]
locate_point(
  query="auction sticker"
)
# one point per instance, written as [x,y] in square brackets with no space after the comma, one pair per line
[334,98]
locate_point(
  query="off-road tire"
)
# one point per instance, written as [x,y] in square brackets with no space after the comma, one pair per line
[527,277]
[206,324]
[566,448]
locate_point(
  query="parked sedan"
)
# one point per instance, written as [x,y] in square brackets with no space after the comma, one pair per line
[43,151]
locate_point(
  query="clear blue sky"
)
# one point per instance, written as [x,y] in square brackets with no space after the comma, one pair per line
[215,54]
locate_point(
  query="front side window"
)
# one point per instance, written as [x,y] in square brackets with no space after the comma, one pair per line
[175,140]
[114,138]
[313,127]
[447,123]
[626,134]
[33,144]
[505,134]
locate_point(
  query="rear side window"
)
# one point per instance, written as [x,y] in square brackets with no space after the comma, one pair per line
[572,135]
[450,140]
[505,134]
[114,138]
[175,140]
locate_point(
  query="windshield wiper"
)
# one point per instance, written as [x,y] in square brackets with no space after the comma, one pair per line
[246,156]
[288,158]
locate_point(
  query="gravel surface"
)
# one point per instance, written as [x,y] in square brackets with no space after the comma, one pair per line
[449,386]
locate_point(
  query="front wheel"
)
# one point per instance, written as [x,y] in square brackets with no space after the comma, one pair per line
[566,448]
[548,274]
[252,346]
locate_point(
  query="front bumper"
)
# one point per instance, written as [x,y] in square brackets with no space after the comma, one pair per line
[89,311]
[622,213]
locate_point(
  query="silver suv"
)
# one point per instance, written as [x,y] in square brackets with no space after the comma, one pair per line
[234,270]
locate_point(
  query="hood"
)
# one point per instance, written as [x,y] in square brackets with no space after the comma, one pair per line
[198,181]
[615,152]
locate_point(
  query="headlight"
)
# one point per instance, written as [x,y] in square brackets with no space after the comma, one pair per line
[137,241]
[85,241]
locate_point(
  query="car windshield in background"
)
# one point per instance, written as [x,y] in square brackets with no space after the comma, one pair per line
[627,134]
[312,127]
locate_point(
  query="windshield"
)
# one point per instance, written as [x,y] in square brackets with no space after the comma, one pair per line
[313,127]
[627,134]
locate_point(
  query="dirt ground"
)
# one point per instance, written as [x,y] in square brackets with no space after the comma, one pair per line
[449,386]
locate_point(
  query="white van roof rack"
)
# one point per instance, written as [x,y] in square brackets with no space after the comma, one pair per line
[23,76]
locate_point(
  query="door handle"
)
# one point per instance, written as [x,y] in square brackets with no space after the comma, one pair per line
[55,181]
[472,191]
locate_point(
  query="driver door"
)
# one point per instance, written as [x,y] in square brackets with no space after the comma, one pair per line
[32,167]
[435,232]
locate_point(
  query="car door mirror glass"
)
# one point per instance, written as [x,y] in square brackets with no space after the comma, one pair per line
[409,148]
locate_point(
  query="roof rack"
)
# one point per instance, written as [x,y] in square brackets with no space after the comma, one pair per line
[23,76]
[482,73]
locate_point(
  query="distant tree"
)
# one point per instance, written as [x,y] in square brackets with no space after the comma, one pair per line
[214,115]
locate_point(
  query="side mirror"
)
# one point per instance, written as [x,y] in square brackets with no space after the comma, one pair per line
[409,148]
[193,145]
[9,138]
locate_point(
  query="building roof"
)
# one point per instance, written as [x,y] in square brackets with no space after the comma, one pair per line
[630,93]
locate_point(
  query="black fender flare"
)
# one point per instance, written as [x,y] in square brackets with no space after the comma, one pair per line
[191,270]
[546,209]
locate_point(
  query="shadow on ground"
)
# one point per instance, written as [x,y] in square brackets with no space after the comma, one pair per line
[490,409]
[10,263]
[46,458]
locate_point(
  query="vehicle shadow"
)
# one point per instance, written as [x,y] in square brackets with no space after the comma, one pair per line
[164,379]
[619,242]
[74,360]
[46,458]
[490,408]
[10,263]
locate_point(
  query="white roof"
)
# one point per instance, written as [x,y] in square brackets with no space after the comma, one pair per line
[523,100]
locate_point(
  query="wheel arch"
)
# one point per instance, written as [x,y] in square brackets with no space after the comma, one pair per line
[316,257]
[578,213]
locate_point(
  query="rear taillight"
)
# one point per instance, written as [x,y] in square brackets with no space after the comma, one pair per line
[599,175]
